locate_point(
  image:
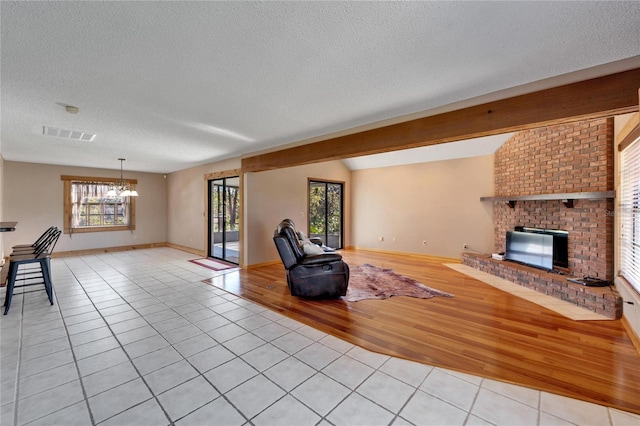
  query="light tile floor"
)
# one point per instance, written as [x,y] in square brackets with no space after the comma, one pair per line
[136,338]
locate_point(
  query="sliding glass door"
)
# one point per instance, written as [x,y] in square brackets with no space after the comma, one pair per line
[224,219]
[326,201]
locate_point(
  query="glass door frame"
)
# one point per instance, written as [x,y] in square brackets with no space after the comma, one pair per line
[326,226]
[209,184]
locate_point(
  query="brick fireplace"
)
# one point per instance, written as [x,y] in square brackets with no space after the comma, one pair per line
[567,158]
[572,157]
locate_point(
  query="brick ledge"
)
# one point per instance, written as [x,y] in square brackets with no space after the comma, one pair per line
[603,300]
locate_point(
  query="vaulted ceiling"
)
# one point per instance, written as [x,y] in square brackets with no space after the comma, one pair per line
[171,85]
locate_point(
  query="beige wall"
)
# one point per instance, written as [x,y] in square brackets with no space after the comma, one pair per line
[186,225]
[33,197]
[631,312]
[439,204]
[437,201]
[274,195]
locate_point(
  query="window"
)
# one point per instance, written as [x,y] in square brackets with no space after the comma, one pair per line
[326,201]
[630,214]
[87,208]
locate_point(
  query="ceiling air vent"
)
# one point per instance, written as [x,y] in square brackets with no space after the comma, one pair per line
[69,134]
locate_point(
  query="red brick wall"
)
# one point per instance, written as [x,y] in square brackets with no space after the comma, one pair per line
[572,157]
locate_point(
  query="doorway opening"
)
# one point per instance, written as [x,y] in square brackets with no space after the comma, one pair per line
[224,219]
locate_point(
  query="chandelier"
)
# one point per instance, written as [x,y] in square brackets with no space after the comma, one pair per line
[121,187]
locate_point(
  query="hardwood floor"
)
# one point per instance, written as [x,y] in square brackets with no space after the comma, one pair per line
[481,331]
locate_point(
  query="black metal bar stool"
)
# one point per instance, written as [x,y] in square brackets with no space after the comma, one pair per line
[41,257]
[31,248]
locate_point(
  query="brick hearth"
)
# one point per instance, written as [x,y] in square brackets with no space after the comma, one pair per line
[603,300]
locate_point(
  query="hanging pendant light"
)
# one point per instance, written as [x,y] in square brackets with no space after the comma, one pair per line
[121,188]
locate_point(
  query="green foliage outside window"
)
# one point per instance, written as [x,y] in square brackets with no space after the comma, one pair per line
[325,211]
[231,194]
[102,212]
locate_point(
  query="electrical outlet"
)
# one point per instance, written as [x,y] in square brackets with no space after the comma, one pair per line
[381,239]
[465,246]
[424,242]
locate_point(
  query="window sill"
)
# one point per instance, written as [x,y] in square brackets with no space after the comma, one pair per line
[99,229]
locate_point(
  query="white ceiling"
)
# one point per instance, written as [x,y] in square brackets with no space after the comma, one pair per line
[171,85]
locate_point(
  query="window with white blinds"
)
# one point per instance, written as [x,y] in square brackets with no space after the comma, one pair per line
[630,214]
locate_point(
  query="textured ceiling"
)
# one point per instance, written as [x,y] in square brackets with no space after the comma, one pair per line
[171,85]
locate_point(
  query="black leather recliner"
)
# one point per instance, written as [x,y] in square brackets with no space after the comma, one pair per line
[320,276]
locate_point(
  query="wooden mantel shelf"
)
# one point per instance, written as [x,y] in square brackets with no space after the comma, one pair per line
[567,198]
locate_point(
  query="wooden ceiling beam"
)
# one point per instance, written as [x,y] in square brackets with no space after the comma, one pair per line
[599,97]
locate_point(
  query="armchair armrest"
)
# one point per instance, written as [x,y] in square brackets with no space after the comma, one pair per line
[319,259]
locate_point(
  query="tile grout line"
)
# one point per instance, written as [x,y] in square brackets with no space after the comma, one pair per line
[351,391]
[473,403]
[259,373]
[123,350]
[188,294]
[73,354]
[201,374]
[355,390]
[413,394]
[19,366]
[171,345]
[539,406]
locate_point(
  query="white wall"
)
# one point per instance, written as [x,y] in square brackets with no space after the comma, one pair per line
[33,196]
[437,202]
[273,195]
[186,225]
